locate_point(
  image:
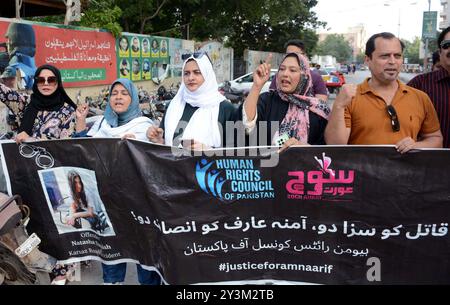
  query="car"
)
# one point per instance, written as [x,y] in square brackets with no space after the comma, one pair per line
[245,82]
[333,79]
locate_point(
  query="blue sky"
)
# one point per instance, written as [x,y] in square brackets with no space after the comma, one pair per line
[375,15]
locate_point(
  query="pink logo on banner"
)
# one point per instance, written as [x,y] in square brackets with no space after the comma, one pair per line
[325,183]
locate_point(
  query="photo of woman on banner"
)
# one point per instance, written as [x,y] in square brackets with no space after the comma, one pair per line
[163,52]
[73,197]
[125,68]
[81,209]
[146,75]
[145,47]
[195,114]
[135,47]
[155,48]
[136,70]
[124,50]
[21,44]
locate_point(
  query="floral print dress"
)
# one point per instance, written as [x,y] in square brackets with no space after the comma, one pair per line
[48,124]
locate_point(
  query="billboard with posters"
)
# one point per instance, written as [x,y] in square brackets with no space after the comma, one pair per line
[85,57]
[139,56]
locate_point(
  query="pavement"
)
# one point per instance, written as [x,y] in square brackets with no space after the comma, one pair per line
[91,274]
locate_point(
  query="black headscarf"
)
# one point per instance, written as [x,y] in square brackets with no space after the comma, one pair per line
[40,102]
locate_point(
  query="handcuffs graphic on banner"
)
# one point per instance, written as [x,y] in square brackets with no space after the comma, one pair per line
[43,158]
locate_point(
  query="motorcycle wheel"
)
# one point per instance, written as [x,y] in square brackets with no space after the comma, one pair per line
[12,270]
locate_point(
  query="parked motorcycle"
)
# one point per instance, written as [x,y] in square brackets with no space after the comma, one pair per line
[21,262]
[234,96]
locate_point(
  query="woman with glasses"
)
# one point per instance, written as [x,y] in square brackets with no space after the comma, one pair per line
[49,111]
[198,111]
[301,118]
[49,114]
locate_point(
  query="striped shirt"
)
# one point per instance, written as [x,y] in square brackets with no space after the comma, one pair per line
[437,85]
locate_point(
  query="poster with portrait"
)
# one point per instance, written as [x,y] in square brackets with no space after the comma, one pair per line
[135,47]
[124,47]
[125,68]
[146,57]
[85,57]
[155,48]
[164,50]
[146,69]
[74,202]
[136,69]
[145,47]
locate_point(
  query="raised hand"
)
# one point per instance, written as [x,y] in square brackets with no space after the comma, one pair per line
[262,73]
[82,111]
[348,92]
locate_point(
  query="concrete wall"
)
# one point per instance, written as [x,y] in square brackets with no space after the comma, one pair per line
[221,57]
[255,58]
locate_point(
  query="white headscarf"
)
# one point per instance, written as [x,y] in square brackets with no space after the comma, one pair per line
[203,125]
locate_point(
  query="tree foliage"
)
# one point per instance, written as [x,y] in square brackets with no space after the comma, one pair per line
[412,50]
[103,14]
[263,25]
[335,45]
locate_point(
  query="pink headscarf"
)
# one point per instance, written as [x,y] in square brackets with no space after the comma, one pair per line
[296,121]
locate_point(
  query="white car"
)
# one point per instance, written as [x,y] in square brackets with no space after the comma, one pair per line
[245,82]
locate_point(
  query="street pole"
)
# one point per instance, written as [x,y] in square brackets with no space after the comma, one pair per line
[425,60]
[18,6]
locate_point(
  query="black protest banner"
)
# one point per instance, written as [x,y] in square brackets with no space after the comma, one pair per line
[331,215]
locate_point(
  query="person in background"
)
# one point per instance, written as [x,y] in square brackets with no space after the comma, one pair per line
[8,78]
[382,110]
[437,85]
[436,58]
[318,88]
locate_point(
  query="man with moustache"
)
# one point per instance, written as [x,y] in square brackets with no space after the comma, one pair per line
[437,85]
[382,110]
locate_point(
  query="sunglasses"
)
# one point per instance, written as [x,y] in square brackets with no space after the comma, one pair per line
[51,80]
[395,124]
[445,44]
[195,55]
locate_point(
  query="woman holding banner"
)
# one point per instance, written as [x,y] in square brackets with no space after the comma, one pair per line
[50,114]
[302,118]
[123,118]
[198,110]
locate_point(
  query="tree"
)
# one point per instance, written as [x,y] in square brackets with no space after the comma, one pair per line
[102,14]
[412,50]
[335,45]
[262,25]
[360,58]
